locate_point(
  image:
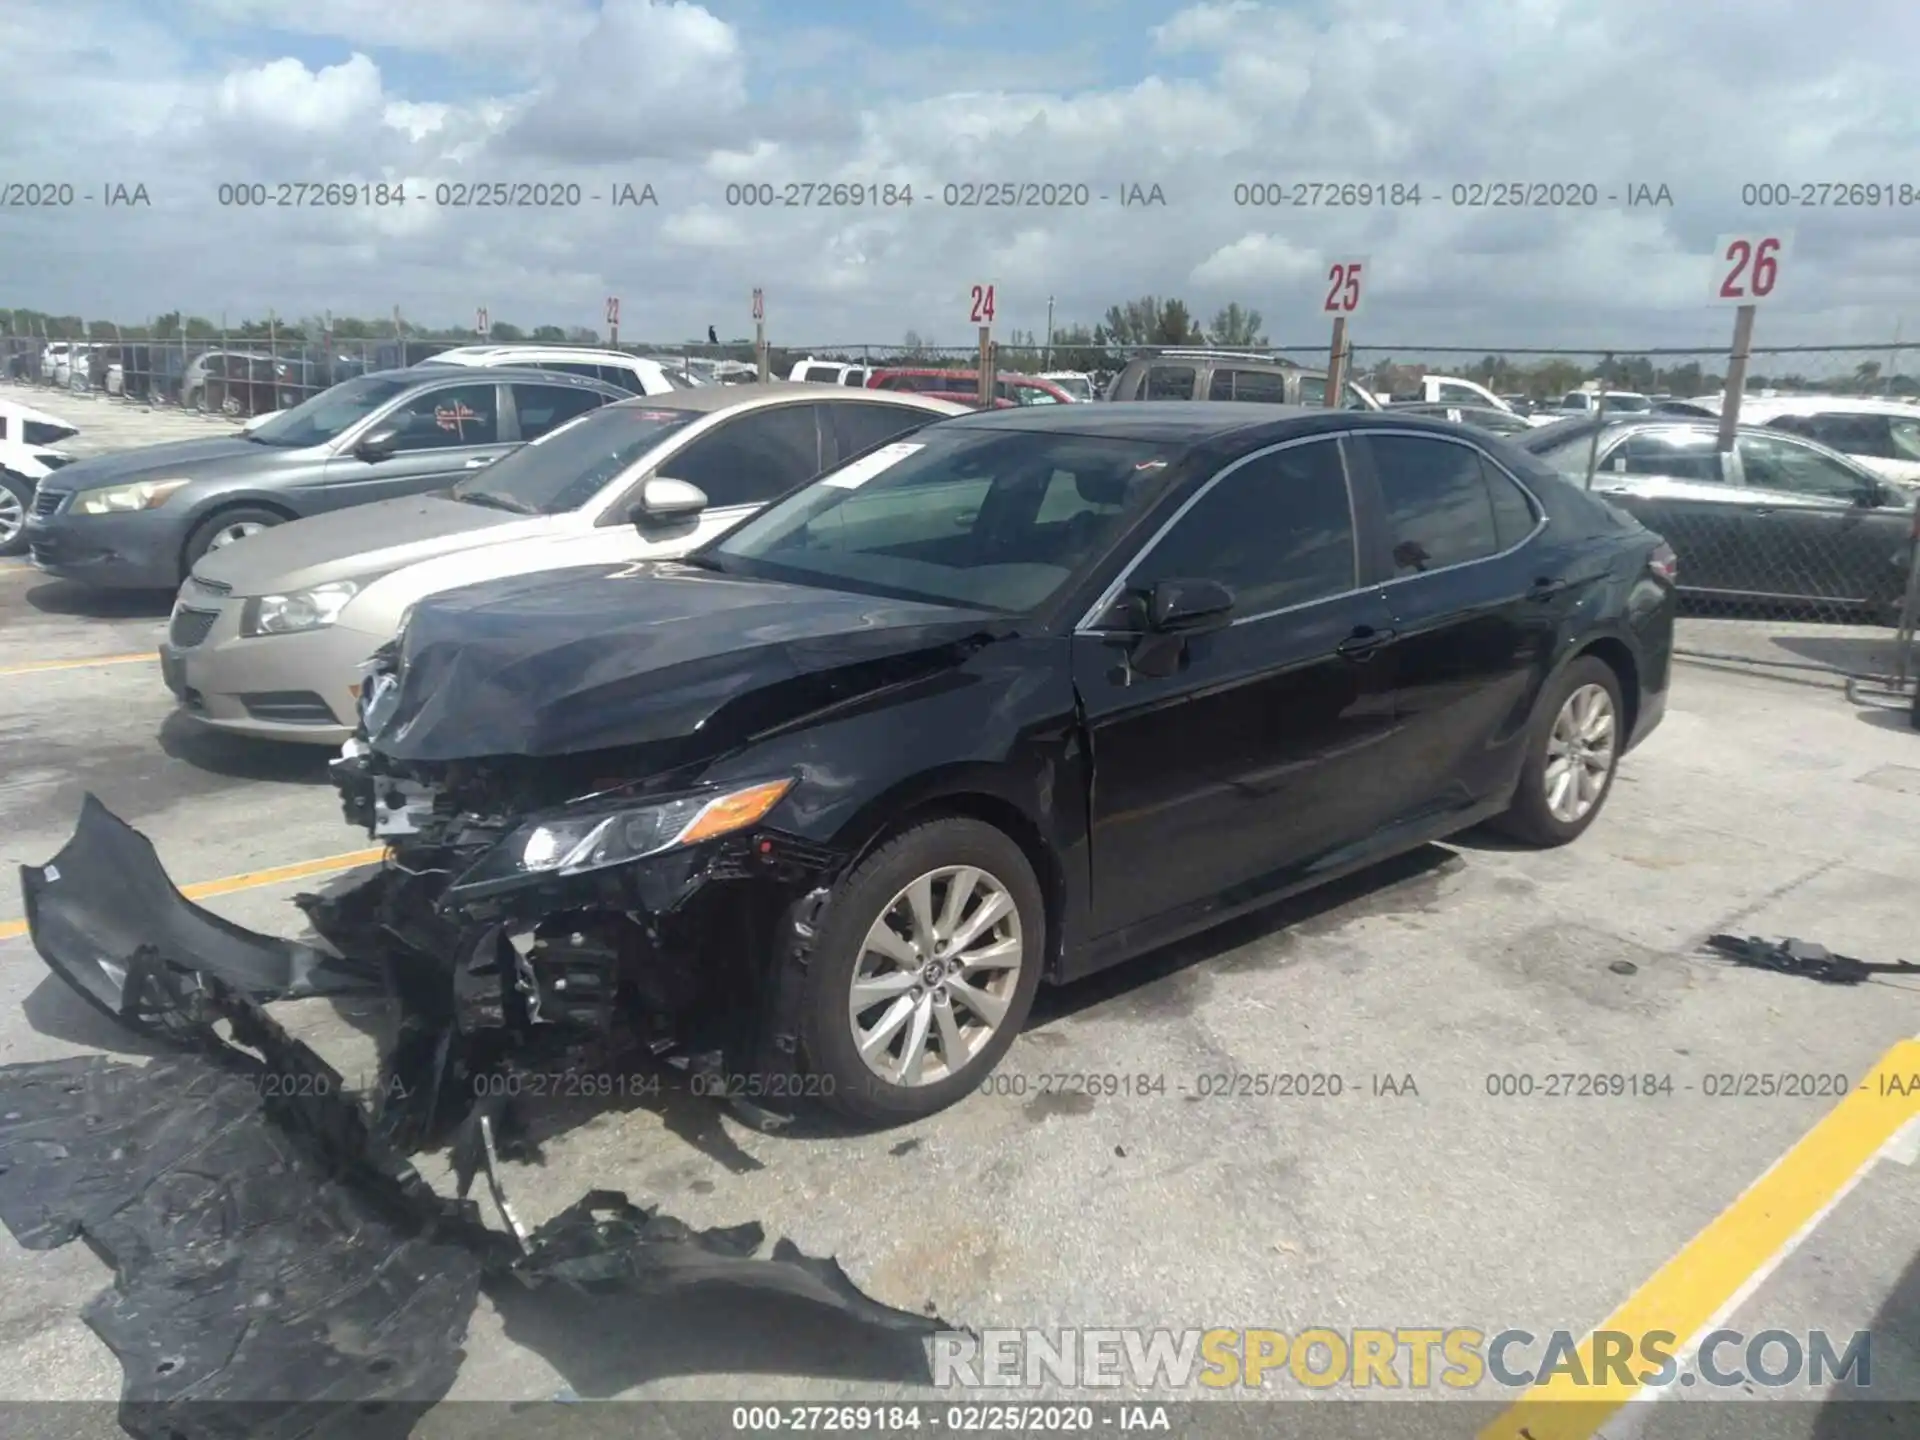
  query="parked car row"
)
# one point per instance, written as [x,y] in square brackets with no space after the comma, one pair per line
[823,724]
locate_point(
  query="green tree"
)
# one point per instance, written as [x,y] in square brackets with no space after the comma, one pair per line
[1236,327]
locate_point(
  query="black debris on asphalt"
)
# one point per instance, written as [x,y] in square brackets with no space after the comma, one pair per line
[1803,957]
[271,1250]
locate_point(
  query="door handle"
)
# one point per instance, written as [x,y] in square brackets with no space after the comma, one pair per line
[476,464]
[1362,643]
[1544,589]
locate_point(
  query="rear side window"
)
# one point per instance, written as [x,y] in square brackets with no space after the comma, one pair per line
[858,427]
[1439,509]
[1513,513]
[1676,454]
[542,408]
[624,377]
[1260,387]
[1170,382]
[820,374]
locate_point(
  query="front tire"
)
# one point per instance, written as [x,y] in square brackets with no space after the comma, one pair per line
[16,498]
[1572,755]
[223,529]
[923,971]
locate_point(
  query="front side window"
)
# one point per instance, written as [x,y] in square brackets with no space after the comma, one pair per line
[1903,438]
[1776,463]
[449,419]
[750,458]
[568,466]
[1277,531]
[994,519]
[331,413]
[1439,510]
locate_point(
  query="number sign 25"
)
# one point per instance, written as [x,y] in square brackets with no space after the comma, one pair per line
[980,306]
[1747,267]
[1344,287]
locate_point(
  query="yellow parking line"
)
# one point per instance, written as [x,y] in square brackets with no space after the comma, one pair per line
[149,656]
[1685,1295]
[252,880]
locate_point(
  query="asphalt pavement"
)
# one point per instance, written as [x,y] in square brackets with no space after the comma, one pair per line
[1419,1196]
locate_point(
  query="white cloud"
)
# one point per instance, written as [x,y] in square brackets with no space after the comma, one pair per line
[1380,93]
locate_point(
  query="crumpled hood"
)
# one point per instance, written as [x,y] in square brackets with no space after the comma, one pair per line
[194,458]
[606,657]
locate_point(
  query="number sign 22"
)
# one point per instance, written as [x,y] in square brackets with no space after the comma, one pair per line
[1747,267]
[980,306]
[1344,288]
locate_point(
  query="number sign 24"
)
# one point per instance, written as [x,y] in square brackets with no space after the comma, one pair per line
[1747,267]
[980,306]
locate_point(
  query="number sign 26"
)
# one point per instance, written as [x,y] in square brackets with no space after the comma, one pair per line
[1747,267]
[980,306]
[1344,288]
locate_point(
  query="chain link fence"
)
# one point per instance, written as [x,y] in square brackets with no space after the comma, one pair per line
[1795,547]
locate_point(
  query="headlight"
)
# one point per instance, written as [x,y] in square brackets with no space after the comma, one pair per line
[573,845]
[298,610]
[116,499]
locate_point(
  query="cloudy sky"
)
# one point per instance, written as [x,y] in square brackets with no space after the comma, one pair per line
[940,96]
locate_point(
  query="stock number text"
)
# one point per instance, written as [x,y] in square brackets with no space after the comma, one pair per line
[1778,195]
[304,194]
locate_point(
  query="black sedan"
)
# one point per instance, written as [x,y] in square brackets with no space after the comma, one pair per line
[1777,519]
[1481,417]
[1010,700]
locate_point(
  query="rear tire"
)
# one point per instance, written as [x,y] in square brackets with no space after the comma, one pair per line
[223,527]
[16,499]
[960,1021]
[1573,751]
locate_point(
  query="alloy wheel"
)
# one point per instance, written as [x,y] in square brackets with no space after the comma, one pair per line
[935,976]
[239,530]
[1580,753]
[13,516]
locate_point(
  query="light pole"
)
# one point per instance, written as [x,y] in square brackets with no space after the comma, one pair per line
[1046,359]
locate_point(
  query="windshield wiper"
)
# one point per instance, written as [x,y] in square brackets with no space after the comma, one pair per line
[703,562]
[492,501]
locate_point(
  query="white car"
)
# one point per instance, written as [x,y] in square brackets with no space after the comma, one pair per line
[1587,402]
[28,438]
[635,374]
[830,372]
[1882,435]
[267,635]
[1076,383]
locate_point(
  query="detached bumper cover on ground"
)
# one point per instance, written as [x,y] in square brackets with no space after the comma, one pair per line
[271,1248]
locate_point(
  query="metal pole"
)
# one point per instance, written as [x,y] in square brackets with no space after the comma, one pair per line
[986,367]
[1336,362]
[1736,375]
[400,334]
[1893,360]
[1599,421]
[1046,359]
[760,348]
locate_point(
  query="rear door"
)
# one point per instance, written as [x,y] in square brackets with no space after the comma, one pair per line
[1475,602]
[1673,480]
[446,432]
[539,409]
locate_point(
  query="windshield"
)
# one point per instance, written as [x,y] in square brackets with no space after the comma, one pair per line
[1564,445]
[330,413]
[998,519]
[1634,404]
[1078,386]
[564,469]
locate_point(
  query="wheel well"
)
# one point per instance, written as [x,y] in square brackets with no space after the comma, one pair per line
[1618,658]
[1011,821]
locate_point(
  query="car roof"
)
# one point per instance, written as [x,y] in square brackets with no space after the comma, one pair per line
[505,354]
[496,374]
[1193,422]
[1823,405]
[725,397]
[1576,427]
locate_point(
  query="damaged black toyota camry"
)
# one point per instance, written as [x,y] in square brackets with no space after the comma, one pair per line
[1007,702]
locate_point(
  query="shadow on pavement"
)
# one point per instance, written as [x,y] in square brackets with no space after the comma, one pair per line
[63,597]
[239,758]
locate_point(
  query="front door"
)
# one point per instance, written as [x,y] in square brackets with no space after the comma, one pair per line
[446,434]
[1813,530]
[1673,480]
[1223,780]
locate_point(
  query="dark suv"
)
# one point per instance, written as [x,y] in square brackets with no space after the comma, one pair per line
[1217,375]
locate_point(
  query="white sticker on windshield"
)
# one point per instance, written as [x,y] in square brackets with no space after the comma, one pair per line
[853,476]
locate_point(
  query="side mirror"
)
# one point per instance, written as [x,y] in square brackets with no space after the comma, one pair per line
[1188,607]
[379,443]
[662,500]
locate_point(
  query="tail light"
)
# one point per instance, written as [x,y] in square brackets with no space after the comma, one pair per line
[1664,563]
